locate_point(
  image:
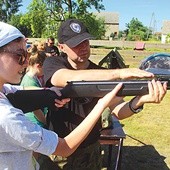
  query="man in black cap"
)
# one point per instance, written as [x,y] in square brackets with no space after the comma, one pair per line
[73,64]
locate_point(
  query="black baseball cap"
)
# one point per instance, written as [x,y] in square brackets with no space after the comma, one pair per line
[72,32]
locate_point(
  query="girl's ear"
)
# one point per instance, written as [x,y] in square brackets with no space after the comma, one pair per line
[39,65]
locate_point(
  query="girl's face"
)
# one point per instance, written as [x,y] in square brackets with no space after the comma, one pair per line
[13,61]
[39,69]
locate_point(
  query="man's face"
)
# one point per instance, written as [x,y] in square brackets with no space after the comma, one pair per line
[50,43]
[79,54]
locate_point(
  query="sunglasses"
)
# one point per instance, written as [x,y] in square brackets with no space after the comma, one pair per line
[21,55]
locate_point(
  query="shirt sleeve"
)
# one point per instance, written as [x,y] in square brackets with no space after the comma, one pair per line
[8,88]
[29,81]
[50,66]
[20,134]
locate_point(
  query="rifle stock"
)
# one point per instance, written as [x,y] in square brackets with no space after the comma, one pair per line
[30,100]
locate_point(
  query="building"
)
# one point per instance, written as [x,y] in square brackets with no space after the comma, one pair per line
[165,31]
[111,20]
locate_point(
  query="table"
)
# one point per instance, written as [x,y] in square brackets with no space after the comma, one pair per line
[113,136]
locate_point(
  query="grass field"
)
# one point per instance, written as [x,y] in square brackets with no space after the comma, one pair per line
[148,138]
[146,146]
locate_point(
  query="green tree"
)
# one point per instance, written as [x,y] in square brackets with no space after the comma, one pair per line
[64,9]
[43,17]
[95,25]
[33,23]
[9,8]
[37,15]
[136,30]
[168,38]
[21,21]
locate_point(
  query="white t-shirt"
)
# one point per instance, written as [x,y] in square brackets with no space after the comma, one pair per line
[19,137]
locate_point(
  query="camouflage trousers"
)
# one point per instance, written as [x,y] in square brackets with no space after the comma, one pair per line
[88,158]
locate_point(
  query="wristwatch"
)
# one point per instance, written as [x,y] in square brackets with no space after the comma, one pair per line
[137,110]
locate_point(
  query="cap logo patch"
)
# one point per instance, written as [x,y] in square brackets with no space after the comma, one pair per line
[75,27]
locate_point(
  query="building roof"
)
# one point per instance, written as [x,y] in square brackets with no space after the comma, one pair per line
[109,17]
[166,27]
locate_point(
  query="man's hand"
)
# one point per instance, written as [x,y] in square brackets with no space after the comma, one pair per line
[128,73]
[62,102]
[156,94]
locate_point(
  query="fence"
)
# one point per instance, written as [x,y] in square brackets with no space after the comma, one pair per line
[122,44]
[128,44]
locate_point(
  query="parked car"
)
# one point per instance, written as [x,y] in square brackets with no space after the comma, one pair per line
[157,60]
[159,65]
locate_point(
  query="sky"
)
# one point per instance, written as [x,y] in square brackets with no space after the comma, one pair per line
[151,13]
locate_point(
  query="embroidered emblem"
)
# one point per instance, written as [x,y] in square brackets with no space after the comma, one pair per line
[75,27]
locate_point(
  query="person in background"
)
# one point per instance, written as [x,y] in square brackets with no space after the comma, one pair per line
[33,49]
[41,45]
[34,77]
[50,48]
[73,64]
[19,137]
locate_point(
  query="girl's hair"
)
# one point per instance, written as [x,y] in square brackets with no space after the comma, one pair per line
[37,58]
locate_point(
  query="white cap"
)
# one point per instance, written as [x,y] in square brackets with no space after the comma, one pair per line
[8,33]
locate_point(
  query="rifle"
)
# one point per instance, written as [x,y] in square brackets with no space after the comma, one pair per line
[136,87]
[101,88]
[29,100]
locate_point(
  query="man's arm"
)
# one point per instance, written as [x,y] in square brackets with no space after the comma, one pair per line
[65,75]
